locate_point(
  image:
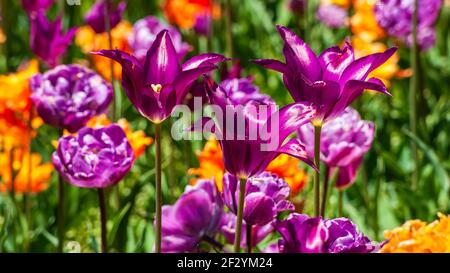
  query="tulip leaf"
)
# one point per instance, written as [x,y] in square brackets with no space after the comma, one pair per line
[116,222]
[441,173]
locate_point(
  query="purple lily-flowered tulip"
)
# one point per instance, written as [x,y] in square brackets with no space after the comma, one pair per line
[242,90]
[32,6]
[265,196]
[158,84]
[228,229]
[96,17]
[332,16]
[303,234]
[395,16]
[94,158]
[144,34]
[344,141]
[196,214]
[202,24]
[47,39]
[68,96]
[259,136]
[332,81]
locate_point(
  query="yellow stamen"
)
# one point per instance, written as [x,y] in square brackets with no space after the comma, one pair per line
[156,87]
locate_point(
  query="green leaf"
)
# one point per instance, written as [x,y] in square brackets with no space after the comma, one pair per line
[116,222]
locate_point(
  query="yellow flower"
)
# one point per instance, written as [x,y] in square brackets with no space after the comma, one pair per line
[88,40]
[211,165]
[138,140]
[416,236]
[26,180]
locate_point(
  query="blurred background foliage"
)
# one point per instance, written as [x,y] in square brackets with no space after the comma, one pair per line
[381,198]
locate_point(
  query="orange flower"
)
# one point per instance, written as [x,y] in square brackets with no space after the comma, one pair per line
[416,236]
[15,90]
[88,40]
[25,179]
[363,22]
[211,165]
[386,71]
[184,12]
[2,36]
[138,140]
[288,167]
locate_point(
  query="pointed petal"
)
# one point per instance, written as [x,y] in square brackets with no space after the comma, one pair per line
[296,149]
[186,77]
[352,90]
[299,56]
[272,64]
[359,69]
[334,61]
[203,59]
[161,63]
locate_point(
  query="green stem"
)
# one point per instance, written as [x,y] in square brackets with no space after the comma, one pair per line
[340,203]
[110,44]
[249,233]
[228,27]
[240,214]
[326,183]
[102,207]
[60,219]
[158,188]
[413,89]
[317,130]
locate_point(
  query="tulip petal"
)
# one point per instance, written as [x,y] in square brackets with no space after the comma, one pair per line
[203,59]
[359,69]
[296,149]
[347,175]
[185,78]
[334,61]
[161,63]
[298,55]
[259,209]
[272,64]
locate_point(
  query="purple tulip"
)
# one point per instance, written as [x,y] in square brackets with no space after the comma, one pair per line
[395,16]
[47,39]
[297,6]
[228,229]
[265,196]
[94,158]
[32,6]
[332,16]
[158,84]
[68,96]
[144,34]
[202,24]
[242,90]
[344,141]
[260,133]
[303,234]
[196,214]
[96,16]
[331,81]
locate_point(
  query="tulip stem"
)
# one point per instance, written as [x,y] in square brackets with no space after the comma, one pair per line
[102,207]
[414,86]
[240,214]
[60,214]
[158,188]
[249,238]
[340,203]
[110,44]
[60,219]
[326,183]
[317,130]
